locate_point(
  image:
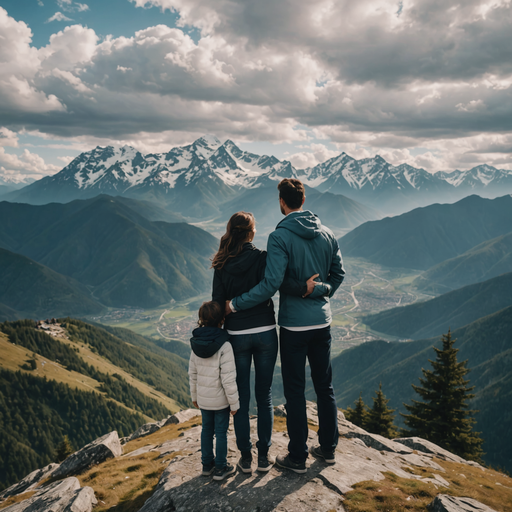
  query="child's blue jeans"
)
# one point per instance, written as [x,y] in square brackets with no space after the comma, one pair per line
[215,422]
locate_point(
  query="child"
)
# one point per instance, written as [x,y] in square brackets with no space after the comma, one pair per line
[213,388]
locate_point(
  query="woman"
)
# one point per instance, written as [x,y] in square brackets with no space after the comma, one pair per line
[239,266]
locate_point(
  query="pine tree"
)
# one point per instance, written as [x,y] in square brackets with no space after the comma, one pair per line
[443,416]
[64,450]
[380,417]
[359,415]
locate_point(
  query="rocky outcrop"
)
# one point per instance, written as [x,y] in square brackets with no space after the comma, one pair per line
[29,482]
[183,416]
[63,496]
[182,488]
[422,445]
[101,449]
[378,442]
[445,503]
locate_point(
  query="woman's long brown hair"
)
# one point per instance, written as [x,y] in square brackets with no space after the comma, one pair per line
[237,233]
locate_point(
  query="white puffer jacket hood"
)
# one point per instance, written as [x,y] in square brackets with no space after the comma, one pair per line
[212,374]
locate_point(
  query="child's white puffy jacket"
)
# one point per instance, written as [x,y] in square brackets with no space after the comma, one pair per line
[213,379]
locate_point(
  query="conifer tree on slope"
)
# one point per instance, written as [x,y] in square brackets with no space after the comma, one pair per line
[444,417]
[380,417]
[359,415]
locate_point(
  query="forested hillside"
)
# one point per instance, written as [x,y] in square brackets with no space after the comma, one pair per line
[106,245]
[30,289]
[451,310]
[486,344]
[424,237]
[128,375]
[486,260]
[36,414]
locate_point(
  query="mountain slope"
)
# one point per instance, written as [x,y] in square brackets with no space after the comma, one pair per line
[104,244]
[486,260]
[72,378]
[427,236]
[486,344]
[451,310]
[30,289]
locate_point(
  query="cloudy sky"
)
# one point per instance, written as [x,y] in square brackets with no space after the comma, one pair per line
[426,82]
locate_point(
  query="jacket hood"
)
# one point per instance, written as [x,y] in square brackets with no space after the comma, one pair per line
[303,223]
[207,341]
[244,261]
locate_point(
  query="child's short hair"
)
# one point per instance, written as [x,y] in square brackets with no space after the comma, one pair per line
[210,314]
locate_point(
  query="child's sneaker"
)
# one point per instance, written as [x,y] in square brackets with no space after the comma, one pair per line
[221,473]
[208,469]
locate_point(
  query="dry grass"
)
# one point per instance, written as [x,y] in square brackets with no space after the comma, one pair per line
[16,499]
[125,483]
[395,493]
[13,357]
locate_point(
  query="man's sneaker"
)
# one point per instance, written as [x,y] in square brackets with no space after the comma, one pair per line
[221,473]
[328,457]
[208,469]
[245,464]
[265,463]
[285,462]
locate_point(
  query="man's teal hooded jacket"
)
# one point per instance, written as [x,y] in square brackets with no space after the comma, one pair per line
[299,247]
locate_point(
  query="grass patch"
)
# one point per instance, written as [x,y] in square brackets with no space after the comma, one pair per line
[16,499]
[396,493]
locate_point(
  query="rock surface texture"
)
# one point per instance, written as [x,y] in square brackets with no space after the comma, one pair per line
[63,496]
[182,416]
[182,488]
[445,503]
[29,482]
[101,449]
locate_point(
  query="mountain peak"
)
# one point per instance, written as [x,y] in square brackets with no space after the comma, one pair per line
[208,140]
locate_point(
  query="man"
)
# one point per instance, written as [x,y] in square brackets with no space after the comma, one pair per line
[299,247]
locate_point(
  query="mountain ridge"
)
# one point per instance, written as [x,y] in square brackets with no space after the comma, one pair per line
[228,169]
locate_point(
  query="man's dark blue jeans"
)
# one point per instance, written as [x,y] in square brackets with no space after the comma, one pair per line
[215,422]
[316,346]
[262,348]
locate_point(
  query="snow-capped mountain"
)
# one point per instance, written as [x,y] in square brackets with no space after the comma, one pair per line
[196,178]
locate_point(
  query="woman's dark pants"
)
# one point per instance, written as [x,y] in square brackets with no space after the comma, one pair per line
[262,348]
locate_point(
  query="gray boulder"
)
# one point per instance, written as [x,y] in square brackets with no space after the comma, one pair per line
[103,448]
[145,430]
[29,482]
[63,496]
[445,503]
[378,442]
[182,416]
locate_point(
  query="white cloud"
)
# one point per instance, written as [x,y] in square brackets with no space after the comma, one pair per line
[58,16]
[82,7]
[8,138]
[28,164]
[430,85]
[66,159]
[317,153]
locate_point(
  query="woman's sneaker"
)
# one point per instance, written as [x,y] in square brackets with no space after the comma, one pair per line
[287,463]
[265,463]
[208,469]
[245,464]
[221,473]
[328,457]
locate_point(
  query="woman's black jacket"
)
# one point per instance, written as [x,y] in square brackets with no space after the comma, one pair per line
[239,275]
